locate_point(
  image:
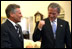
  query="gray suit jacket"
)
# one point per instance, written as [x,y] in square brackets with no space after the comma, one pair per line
[46,35]
[9,36]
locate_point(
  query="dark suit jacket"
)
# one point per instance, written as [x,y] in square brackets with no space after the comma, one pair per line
[47,38]
[9,36]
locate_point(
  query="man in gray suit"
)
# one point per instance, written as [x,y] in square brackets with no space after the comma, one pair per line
[11,33]
[53,32]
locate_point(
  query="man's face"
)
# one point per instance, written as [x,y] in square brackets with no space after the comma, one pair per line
[52,13]
[17,15]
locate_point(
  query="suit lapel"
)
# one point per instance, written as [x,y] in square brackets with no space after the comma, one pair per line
[49,28]
[59,28]
[12,29]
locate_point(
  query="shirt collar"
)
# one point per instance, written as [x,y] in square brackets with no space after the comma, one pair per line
[12,22]
[54,20]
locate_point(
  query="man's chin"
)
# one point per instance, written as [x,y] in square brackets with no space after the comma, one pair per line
[52,19]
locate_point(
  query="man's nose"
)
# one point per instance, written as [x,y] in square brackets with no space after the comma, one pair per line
[51,15]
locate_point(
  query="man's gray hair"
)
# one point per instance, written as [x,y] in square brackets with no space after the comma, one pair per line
[54,5]
[11,8]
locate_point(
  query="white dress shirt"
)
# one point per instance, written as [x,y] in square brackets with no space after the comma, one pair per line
[55,21]
[14,24]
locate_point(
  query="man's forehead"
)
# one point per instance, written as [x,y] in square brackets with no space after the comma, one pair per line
[17,10]
[52,9]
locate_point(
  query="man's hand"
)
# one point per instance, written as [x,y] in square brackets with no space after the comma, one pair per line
[41,24]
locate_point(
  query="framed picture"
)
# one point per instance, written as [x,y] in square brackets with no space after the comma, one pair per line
[38,17]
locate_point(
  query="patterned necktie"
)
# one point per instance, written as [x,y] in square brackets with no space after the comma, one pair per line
[54,29]
[17,29]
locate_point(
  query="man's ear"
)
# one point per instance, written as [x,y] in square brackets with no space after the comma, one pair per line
[11,14]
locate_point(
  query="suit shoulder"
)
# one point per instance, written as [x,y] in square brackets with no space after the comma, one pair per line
[61,20]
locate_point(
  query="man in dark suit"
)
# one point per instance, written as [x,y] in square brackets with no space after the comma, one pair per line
[52,31]
[11,33]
